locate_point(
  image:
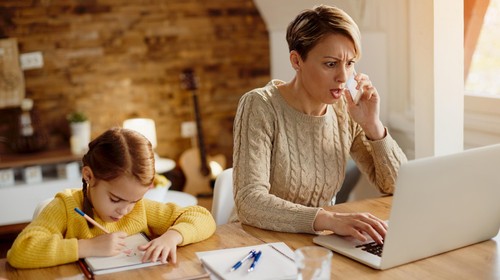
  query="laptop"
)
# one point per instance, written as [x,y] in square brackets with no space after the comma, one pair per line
[440,204]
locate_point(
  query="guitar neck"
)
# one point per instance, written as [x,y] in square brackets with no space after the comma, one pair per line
[204,168]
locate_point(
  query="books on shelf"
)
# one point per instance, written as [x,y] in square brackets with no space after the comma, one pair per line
[275,262]
[131,258]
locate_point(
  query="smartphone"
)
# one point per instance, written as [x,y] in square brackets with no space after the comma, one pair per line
[351,86]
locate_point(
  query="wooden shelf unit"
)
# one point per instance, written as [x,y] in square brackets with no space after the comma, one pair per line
[18,201]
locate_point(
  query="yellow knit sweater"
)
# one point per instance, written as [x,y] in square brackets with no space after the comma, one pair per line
[51,239]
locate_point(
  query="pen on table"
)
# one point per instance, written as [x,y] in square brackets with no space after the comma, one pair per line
[255,260]
[92,221]
[240,262]
[85,269]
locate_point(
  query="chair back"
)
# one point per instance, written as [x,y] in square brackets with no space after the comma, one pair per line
[223,200]
[40,206]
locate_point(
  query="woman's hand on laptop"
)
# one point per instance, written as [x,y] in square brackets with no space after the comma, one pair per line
[356,225]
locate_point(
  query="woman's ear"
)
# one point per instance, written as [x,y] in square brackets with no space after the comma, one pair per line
[295,60]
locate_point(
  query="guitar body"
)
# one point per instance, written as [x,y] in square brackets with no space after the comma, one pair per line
[198,184]
[200,170]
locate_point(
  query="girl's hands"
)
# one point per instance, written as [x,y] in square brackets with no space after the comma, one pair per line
[357,225]
[366,113]
[104,245]
[161,248]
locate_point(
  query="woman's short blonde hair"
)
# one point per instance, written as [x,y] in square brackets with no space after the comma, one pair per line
[312,25]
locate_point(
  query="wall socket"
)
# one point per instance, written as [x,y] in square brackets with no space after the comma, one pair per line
[32,60]
[188,129]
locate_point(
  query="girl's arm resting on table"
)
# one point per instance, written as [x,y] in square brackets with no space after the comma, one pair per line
[193,223]
[41,243]
[38,247]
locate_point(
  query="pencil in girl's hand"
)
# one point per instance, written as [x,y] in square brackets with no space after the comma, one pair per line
[92,221]
[127,251]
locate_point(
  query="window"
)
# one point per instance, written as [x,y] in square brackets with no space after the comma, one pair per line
[484,72]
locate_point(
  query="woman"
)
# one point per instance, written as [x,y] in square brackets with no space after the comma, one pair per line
[292,140]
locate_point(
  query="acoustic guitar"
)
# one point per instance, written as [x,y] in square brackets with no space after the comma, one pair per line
[200,170]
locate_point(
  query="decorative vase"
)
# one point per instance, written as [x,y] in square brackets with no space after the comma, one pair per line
[80,137]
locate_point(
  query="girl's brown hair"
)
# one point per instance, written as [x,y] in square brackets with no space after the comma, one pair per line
[312,25]
[118,152]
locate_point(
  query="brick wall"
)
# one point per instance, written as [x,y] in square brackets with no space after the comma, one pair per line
[116,59]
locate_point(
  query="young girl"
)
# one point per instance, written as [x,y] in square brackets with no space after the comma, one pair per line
[117,171]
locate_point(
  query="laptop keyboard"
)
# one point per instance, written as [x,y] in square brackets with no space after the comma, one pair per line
[372,247]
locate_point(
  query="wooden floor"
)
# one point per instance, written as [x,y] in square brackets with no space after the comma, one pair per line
[9,233]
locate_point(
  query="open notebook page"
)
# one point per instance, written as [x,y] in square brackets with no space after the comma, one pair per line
[128,259]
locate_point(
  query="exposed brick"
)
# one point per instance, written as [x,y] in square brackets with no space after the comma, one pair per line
[116,59]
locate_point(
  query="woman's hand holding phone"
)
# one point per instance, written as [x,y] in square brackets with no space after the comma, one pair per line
[351,86]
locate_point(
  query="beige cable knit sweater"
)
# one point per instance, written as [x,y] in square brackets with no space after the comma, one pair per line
[287,165]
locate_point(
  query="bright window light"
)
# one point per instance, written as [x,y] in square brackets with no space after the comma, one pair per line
[484,73]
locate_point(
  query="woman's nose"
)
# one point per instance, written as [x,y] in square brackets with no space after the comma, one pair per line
[342,75]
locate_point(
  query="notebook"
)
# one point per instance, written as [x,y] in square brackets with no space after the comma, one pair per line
[127,260]
[275,262]
[440,204]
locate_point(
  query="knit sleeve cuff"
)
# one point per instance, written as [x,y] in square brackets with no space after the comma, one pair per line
[305,220]
[384,145]
[68,251]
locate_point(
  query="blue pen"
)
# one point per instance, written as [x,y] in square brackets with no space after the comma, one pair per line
[255,260]
[239,263]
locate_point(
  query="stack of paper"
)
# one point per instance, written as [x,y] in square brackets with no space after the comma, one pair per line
[273,264]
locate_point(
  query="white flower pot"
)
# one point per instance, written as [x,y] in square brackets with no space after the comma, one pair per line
[80,137]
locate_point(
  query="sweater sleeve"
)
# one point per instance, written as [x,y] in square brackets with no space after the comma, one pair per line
[379,160]
[41,243]
[194,223]
[253,143]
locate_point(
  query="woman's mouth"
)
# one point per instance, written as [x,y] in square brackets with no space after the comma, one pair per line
[336,93]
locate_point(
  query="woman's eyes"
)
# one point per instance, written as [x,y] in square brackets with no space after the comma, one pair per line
[331,64]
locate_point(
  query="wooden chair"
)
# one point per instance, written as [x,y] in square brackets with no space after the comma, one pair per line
[40,206]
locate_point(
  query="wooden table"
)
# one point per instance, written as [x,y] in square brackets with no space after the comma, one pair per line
[479,261]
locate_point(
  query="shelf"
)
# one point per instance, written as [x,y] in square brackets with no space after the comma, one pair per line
[40,158]
[20,201]
[21,198]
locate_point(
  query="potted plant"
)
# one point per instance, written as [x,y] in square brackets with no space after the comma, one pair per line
[80,132]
